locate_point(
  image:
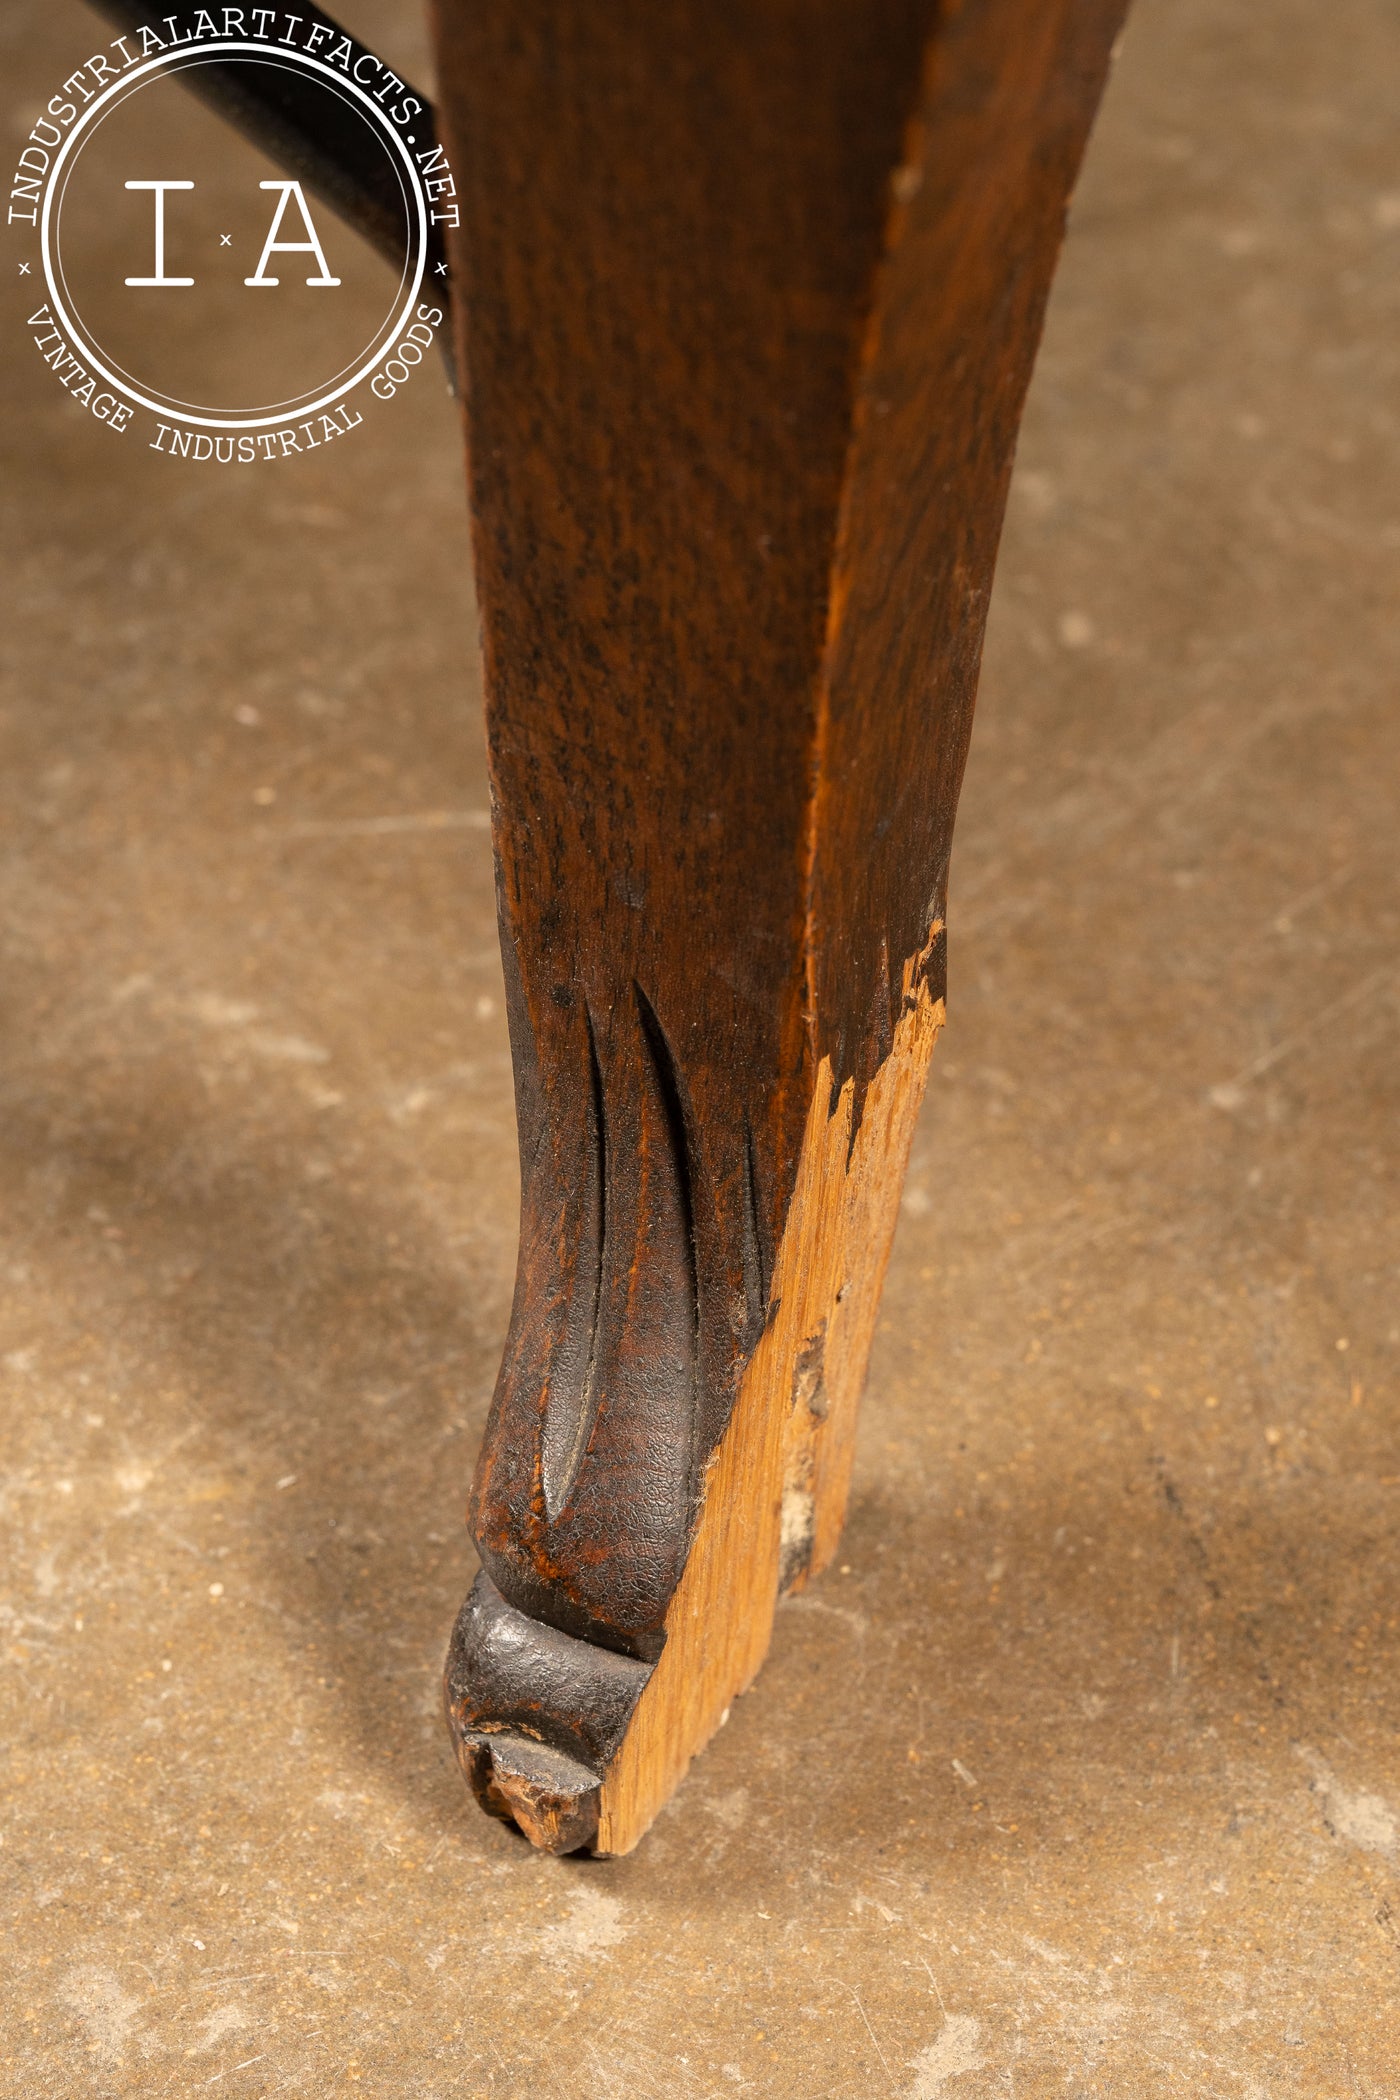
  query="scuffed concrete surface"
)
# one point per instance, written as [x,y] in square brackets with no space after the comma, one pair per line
[1080,1776]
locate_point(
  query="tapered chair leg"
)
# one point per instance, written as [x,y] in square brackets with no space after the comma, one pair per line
[747,300]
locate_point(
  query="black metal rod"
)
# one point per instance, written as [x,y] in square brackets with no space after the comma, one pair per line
[316,138]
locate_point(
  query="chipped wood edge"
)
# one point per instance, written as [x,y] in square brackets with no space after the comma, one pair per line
[774,1497]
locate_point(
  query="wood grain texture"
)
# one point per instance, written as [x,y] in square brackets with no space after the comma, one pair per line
[774,1494]
[747,301]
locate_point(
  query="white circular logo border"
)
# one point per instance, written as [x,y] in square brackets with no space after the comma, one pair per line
[163,411]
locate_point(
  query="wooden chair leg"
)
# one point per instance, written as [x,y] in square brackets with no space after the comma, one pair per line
[747,301]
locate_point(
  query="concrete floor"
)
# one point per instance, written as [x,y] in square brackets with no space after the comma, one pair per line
[1082,1775]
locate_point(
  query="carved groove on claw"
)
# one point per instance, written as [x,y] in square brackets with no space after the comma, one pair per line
[571,1404]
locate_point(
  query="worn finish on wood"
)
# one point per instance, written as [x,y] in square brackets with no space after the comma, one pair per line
[774,1496]
[747,305]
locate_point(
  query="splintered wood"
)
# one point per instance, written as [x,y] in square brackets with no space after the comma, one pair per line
[775,1490]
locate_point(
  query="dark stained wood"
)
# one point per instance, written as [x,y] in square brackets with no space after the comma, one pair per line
[747,301]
